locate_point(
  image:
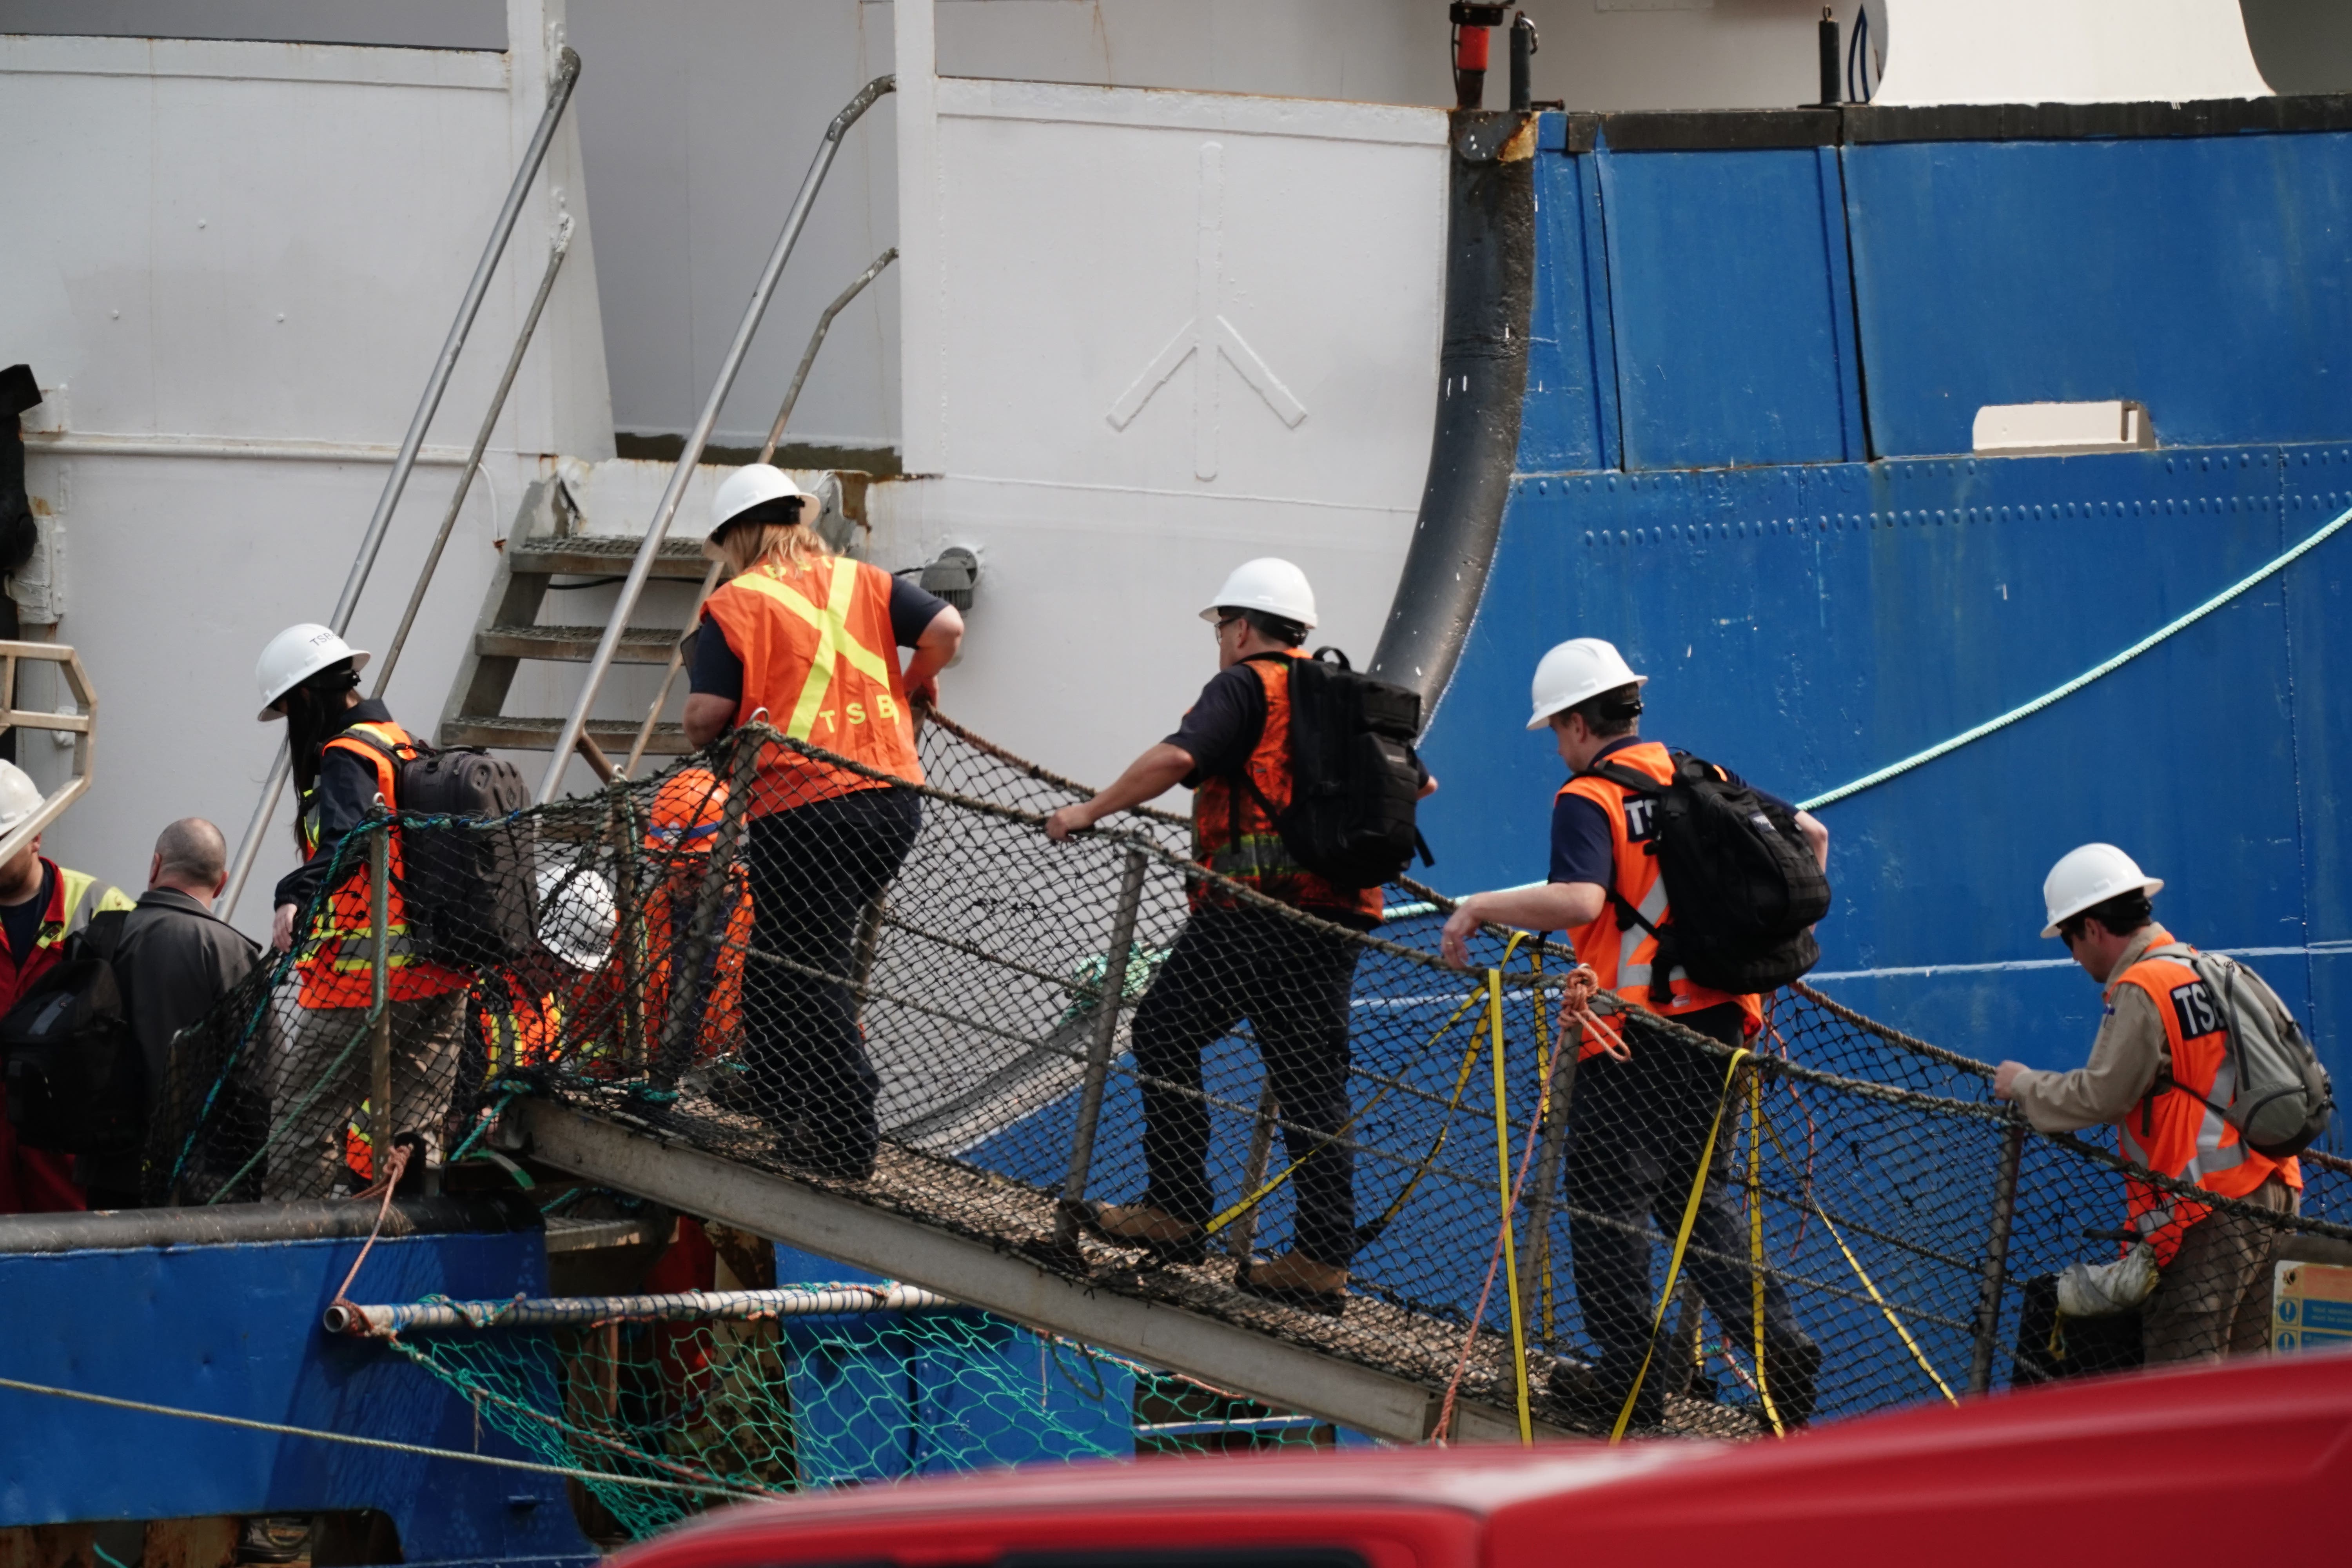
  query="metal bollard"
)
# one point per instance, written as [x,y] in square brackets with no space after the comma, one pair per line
[1106,1031]
[683,1020]
[380,1117]
[1996,1268]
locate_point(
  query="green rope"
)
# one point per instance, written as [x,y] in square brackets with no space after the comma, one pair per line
[2079,681]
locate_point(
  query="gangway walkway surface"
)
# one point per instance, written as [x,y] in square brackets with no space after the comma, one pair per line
[996,979]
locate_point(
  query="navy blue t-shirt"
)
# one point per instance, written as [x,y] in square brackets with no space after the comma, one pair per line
[1580,830]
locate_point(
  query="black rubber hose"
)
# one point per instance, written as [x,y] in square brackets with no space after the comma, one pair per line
[1482,378]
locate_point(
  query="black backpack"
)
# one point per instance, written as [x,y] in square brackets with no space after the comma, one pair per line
[467,885]
[77,1079]
[1354,780]
[1742,885]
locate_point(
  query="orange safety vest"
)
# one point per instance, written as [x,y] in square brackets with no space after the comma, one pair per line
[1233,824]
[2178,1134]
[1622,955]
[819,655]
[337,965]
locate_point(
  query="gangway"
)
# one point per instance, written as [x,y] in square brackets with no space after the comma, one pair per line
[1182,1318]
[1906,1214]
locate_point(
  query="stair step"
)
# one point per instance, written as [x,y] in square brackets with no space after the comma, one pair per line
[605,555]
[522,733]
[639,644]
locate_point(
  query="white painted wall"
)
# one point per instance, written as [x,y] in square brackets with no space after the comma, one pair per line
[2068,51]
[1146,336]
[213,243]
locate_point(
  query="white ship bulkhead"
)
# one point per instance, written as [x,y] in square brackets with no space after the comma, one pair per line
[1135,333]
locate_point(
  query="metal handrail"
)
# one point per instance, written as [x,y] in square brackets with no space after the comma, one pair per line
[555,254]
[82,726]
[575,723]
[775,435]
[559,94]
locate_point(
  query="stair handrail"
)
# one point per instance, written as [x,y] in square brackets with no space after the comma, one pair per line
[775,435]
[575,723]
[559,95]
[390,659]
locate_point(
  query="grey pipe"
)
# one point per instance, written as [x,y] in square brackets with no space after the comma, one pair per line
[559,94]
[678,1307]
[391,656]
[242,1224]
[575,723]
[1483,372]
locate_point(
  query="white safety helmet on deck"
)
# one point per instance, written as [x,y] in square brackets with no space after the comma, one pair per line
[1576,670]
[1269,584]
[2092,875]
[19,796]
[577,915]
[294,656]
[755,484]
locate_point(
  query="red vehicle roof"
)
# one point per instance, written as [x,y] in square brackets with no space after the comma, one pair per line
[2253,1459]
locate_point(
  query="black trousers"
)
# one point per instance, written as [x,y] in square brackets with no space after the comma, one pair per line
[814,871]
[1293,986]
[1634,1132]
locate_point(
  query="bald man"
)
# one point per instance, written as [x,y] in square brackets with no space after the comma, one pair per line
[176,961]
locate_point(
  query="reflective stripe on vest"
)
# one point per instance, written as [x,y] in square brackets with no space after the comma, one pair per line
[826,673]
[835,640]
[2176,1133]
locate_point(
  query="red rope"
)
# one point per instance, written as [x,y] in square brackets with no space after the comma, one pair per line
[395,1163]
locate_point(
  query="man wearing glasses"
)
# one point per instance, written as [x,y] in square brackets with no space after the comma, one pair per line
[2157,1071]
[1234,961]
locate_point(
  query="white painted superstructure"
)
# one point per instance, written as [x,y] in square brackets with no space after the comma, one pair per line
[236,261]
[1150,318]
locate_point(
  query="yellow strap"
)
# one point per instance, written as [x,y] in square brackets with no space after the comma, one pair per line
[1503,1183]
[1756,1241]
[1681,1241]
[833,639]
[1856,1264]
[1461,1082]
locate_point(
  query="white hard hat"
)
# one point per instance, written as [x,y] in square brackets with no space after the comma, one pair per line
[294,656]
[756,484]
[19,796]
[1576,669]
[577,915]
[2092,875]
[1267,584]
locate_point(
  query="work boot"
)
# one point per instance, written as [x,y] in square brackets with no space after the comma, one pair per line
[1296,1280]
[1592,1399]
[1791,1370]
[801,1146]
[1156,1231]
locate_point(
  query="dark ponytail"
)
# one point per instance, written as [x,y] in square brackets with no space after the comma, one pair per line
[312,709]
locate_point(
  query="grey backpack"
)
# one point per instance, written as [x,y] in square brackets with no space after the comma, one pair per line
[2280,1098]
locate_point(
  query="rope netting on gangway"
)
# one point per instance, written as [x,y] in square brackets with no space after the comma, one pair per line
[909,996]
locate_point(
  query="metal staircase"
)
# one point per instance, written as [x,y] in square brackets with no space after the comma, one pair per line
[510,631]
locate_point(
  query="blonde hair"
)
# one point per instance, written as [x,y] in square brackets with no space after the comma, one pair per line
[788,545]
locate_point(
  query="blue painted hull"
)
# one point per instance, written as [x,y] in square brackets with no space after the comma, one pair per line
[1746,368]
